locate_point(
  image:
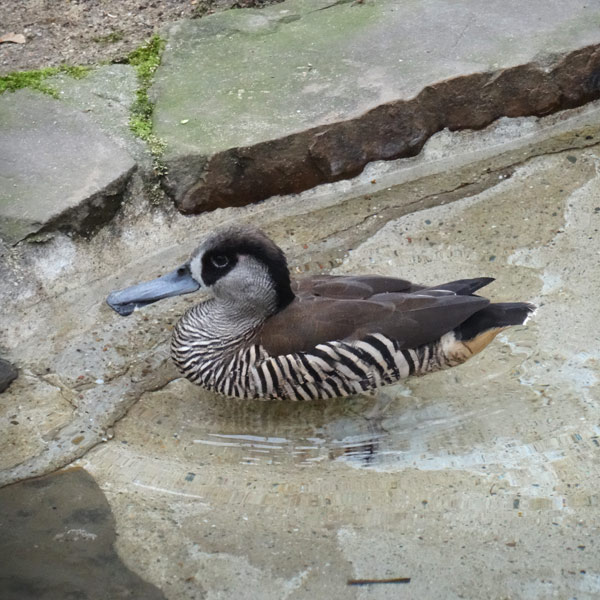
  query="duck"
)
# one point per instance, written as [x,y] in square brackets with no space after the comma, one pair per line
[262,335]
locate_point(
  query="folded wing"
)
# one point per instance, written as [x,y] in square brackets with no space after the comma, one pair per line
[347,308]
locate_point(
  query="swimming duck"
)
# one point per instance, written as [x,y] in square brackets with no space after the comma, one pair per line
[265,336]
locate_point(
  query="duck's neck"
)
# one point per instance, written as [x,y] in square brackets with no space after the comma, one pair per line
[210,336]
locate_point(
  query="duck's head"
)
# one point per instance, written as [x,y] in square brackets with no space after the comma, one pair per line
[239,264]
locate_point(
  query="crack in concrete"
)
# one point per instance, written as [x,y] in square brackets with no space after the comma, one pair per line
[462,33]
[332,5]
[54,456]
[478,184]
[431,200]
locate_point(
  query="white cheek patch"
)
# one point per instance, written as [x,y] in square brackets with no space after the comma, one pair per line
[196,269]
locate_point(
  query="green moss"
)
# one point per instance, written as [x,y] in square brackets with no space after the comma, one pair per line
[76,71]
[146,59]
[35,80]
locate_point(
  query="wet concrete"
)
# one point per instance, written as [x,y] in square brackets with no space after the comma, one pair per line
[84,366]
[477,482]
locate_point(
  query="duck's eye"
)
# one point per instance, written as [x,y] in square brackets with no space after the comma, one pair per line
[220,261]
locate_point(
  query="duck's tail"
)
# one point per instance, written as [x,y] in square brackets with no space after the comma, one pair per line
[482,327]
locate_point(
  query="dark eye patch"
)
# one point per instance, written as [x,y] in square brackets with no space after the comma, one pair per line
[216,264]
[242,242]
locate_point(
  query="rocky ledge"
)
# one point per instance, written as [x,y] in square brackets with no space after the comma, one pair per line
[254,104]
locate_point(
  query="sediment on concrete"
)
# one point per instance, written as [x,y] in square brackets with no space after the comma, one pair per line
[83,367]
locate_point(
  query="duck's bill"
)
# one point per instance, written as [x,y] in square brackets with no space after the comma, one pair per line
[175,283]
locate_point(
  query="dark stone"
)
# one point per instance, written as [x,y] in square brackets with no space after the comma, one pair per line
[57,537]
[8,373]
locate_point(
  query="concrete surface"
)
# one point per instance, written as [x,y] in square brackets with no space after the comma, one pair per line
[257,103]
[57,168]
[84,367]
[477,482]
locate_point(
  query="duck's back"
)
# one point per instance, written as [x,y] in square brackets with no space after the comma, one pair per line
[328,309]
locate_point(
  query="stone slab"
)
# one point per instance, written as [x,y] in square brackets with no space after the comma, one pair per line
[106,95]
[259,103]
[56,167]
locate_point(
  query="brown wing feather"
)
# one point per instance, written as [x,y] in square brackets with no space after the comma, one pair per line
[411,319]
[350,286]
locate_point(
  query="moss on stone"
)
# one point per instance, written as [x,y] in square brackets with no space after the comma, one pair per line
[35,80]
[145,60]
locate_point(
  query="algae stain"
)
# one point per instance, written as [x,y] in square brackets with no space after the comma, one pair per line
[35,80]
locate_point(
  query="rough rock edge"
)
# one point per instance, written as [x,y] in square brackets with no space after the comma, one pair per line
[8,373]
[398,129]
[90,214]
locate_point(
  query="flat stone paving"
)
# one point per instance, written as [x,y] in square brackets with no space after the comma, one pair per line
[255,103]
[54,162]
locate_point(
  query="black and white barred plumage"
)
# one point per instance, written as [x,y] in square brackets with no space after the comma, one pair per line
[331,370]
[262,336]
